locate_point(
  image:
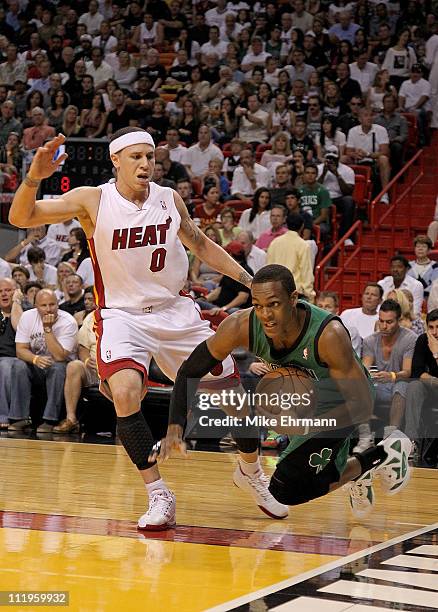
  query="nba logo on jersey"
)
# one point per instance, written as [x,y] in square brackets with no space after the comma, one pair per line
[108,354]
[306,353]
[163,205]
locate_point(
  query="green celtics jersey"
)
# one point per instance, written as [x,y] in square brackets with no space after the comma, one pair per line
[313,200]
[303,354]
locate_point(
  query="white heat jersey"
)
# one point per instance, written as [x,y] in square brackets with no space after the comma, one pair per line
[138,259]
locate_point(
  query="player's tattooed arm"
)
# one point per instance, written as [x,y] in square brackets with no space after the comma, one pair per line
[205,249]
[245,279]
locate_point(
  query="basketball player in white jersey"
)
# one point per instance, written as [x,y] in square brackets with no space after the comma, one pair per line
[136,231]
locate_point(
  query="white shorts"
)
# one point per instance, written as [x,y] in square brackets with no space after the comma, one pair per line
[129,339]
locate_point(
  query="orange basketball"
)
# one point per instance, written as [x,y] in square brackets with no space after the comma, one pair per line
[283,395]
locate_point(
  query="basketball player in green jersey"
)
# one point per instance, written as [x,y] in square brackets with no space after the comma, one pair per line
[284,331]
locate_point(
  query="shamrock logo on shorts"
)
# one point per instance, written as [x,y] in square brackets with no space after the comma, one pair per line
[320,460]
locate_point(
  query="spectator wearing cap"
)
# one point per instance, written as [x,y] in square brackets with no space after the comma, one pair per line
[230,295]
[8,123]
[400,279]
[422,268]
[339,180]
[291,251]
[36,136]
[413,97]
[84,50]
[277,217]
[248,176]
[397,128]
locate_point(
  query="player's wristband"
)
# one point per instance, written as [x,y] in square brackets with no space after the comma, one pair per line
[30,182]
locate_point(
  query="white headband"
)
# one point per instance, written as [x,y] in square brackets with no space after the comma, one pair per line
[132,138]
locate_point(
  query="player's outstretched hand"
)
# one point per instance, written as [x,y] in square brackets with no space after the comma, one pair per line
[173,442]
[44,163]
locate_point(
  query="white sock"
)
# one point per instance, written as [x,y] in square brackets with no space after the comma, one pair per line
[250,468]
[156,485]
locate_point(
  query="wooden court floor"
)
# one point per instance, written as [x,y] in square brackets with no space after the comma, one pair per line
[68,514]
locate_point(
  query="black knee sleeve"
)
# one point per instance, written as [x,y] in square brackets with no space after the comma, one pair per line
[136,437]
[247,445]
[246,437]
[298,487]
[371,458]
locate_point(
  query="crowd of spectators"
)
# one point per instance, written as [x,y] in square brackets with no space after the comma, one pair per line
[258,110]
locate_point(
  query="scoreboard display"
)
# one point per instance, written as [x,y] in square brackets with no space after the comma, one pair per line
[88,164]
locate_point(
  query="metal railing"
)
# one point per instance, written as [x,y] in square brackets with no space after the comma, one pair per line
[381,216]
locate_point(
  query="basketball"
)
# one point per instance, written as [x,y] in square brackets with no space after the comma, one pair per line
[285,395]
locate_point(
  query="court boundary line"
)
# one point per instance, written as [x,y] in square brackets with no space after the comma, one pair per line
[284,584]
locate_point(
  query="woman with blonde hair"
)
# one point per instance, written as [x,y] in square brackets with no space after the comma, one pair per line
[64,269]
[406,300]
[70,123]
[280,151]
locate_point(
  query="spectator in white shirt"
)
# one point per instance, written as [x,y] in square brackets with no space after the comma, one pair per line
[399,279]
[255,257]
[364,319]
[215,45]
[257,218]
[105,41]
[367,143]
[59,233]
[249,176]
[177,151]
[100,71]
[231,29]
[256,56]
[216,16]
[200,154]
[46,339]
[413,97]
[253,125]
[37,237]
[329,300]
[39,270]
[363,71]
[93,19]
[301,19]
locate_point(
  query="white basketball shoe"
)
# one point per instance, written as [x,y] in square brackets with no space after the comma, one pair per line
[395,472]
[161,512]
[257,486]
[361,495]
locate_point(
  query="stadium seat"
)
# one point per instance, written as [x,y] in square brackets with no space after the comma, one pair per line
[239,205]
[261,148]
[215,319]
[363,190]
[167,59]
[197,187]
